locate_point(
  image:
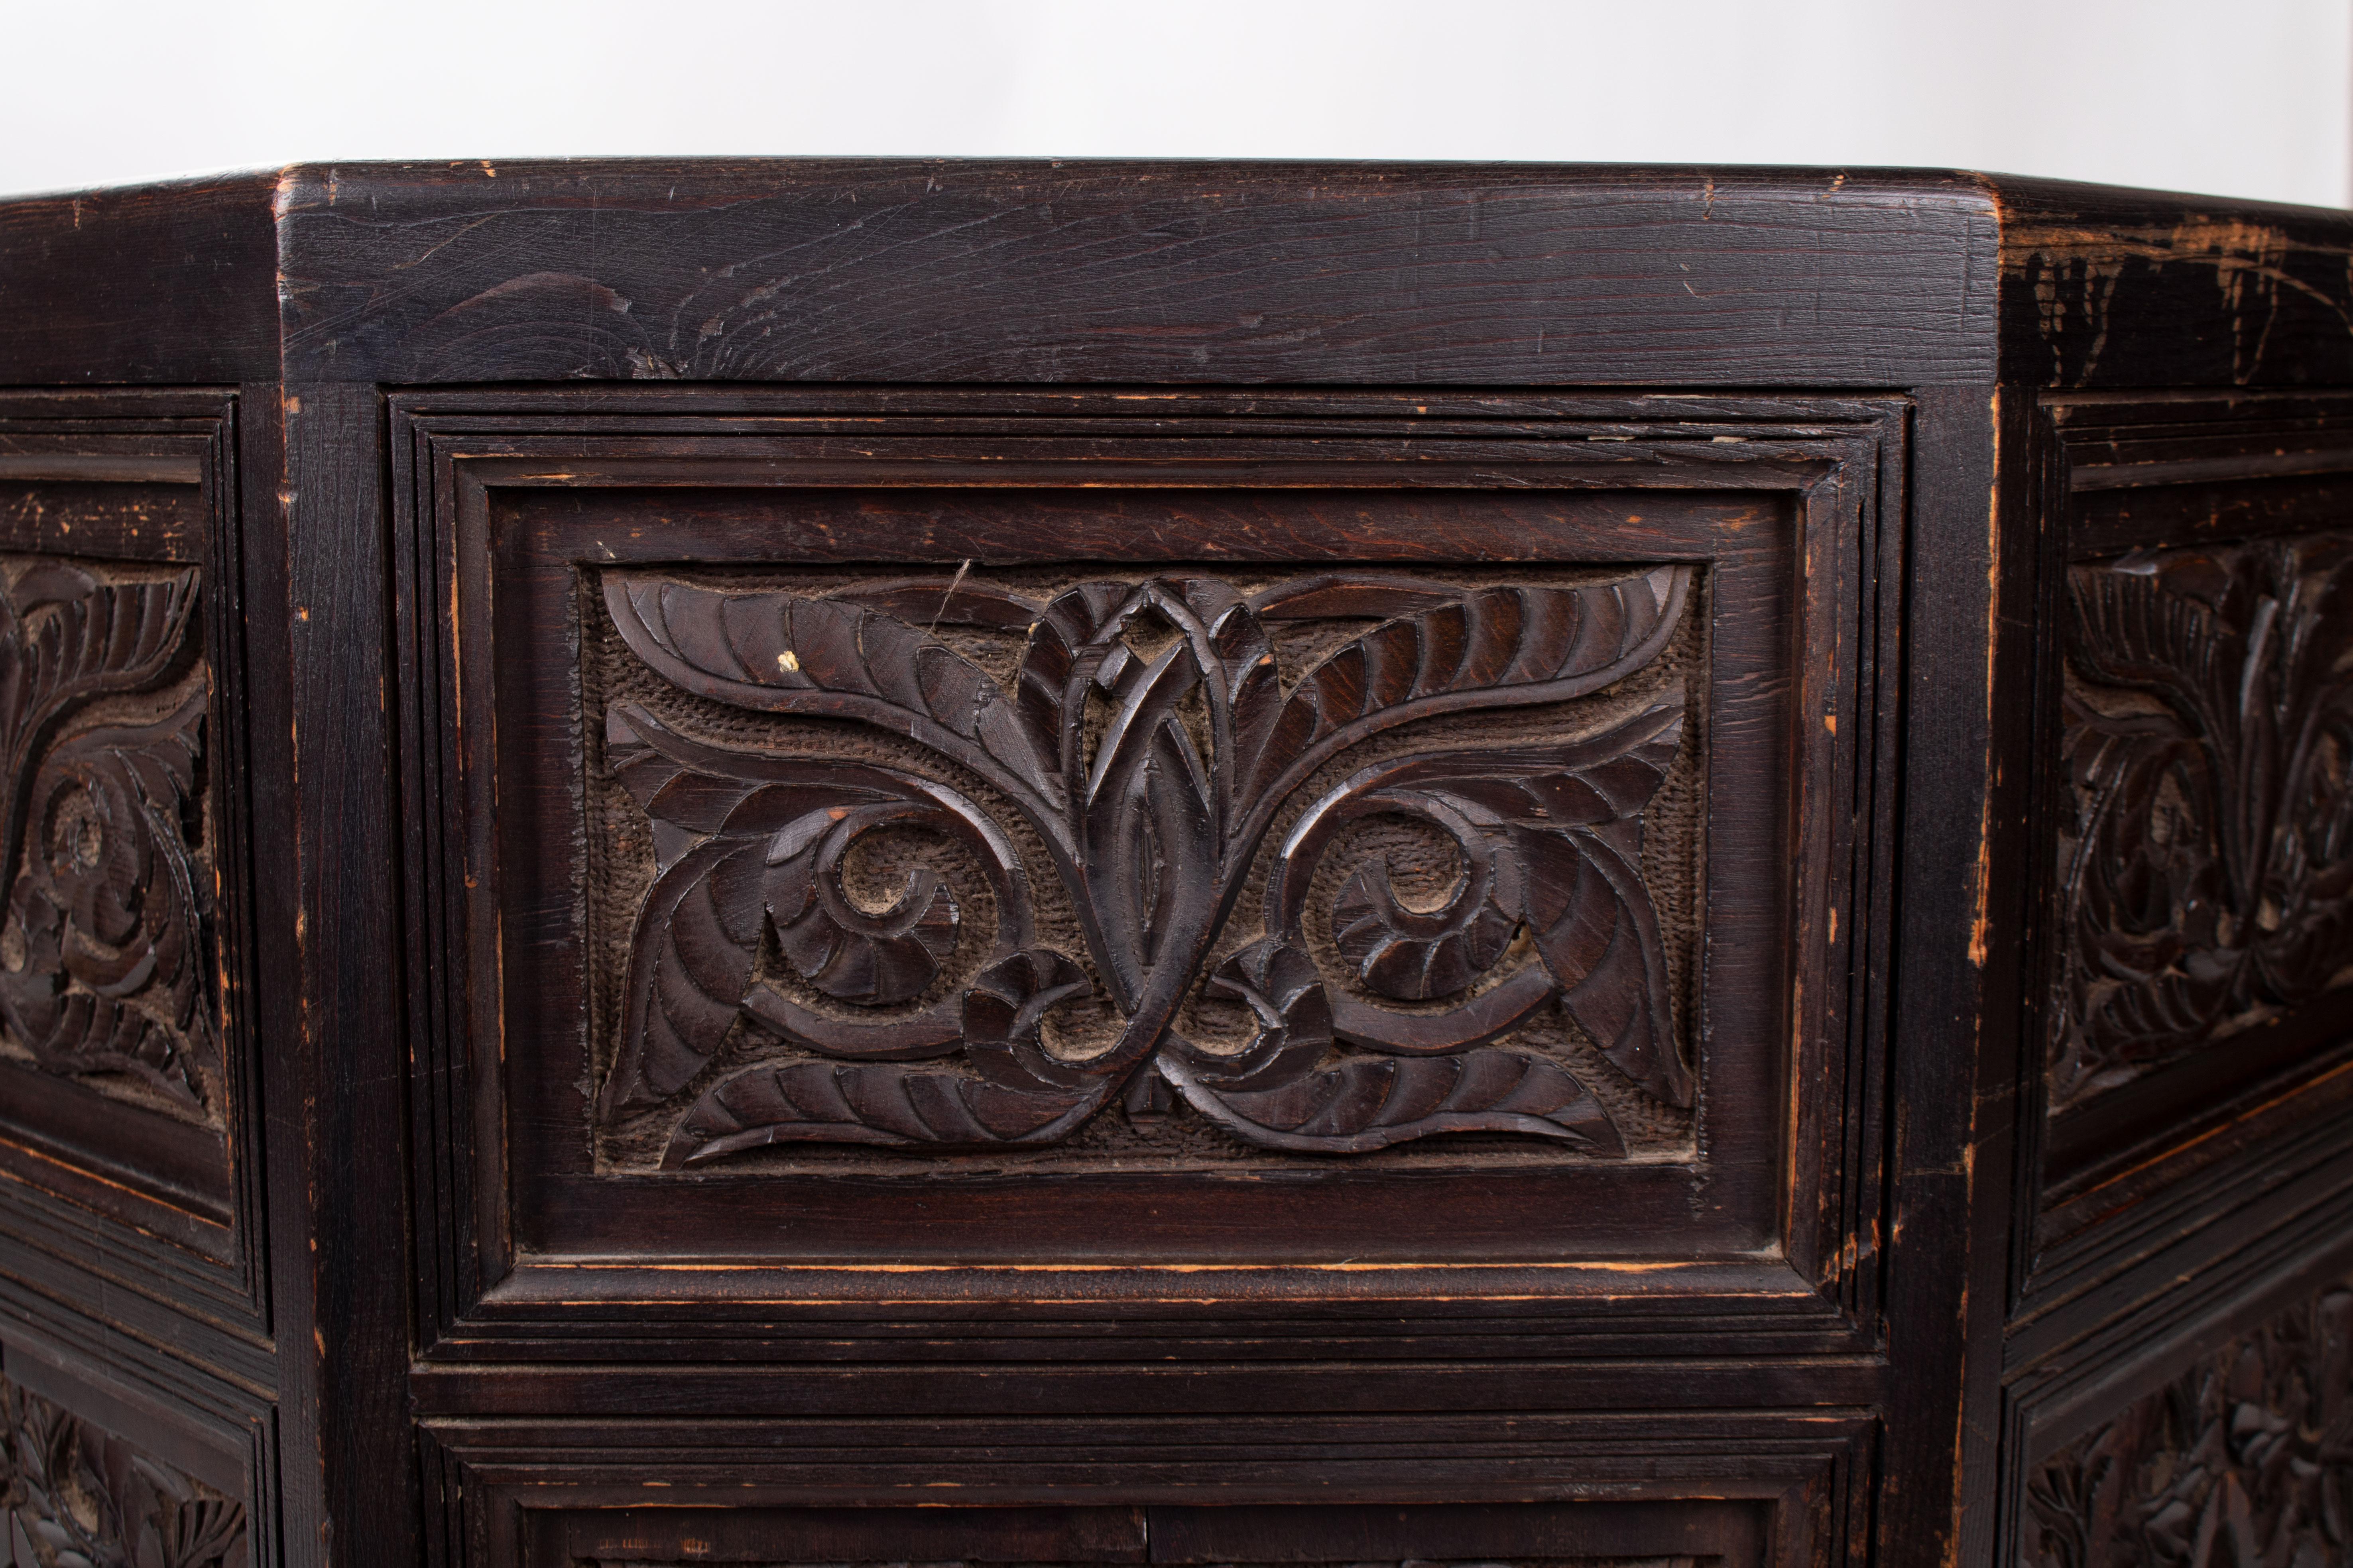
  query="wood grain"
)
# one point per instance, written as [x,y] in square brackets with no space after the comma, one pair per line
[497,483]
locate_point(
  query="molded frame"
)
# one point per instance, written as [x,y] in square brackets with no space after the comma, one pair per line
[490,1289]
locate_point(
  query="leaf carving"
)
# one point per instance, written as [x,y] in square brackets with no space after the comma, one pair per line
[1005,1018]
[757,843]
[774,653]
[106,898]
[1371,1102]
[1488,648]
[840,949]
[830,1102]
[1148,741]
[78,1496]
[105,912]
[2240,1457]
[1550,838]
[1291,1016]
[2207,876]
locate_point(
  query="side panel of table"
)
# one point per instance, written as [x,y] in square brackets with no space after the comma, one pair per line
[136,1337]
[2177,1361]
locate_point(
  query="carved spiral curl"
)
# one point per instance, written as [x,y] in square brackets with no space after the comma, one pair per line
[1406,953]
[870,959]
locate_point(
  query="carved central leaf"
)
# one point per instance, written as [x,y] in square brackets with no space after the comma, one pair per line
[1146,745]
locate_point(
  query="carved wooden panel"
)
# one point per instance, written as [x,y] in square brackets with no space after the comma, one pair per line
[105,968]
[2244,1457]
[978,840]
[127,1116]
[76,1495]
[2207,876]
[1315,862]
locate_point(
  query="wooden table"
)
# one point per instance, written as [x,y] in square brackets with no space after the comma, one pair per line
[1100,863]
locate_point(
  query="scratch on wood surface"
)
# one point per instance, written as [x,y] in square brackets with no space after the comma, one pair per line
[2075,269]
[1981,925]
[1858,1250]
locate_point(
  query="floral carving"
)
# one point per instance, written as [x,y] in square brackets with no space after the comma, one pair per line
[1145,746]
[2245,1458]
[77,1496]
[101,969]
[2207,879]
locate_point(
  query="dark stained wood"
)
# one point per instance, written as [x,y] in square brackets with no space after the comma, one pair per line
[1091,271]
[937,861]
[161,284]
[2113,288]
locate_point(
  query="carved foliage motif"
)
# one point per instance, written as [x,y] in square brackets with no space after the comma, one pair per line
[101,735]
[79,1497]
[1146,745]
[2244,1459]
[2207,880]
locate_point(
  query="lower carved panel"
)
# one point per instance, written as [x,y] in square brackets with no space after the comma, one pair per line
[2246,1458]
[77,1496]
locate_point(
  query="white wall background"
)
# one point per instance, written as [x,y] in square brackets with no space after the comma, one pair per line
[2247,97]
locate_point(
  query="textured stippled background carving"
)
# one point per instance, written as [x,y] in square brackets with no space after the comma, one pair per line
[619,858]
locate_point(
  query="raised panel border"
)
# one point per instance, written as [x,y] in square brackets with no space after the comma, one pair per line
[178,1236]
[1839,461]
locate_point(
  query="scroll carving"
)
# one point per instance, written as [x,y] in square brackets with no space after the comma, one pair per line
[102,970]
[1146,762]
[2207,876]
[79,1497]
[2247,1458]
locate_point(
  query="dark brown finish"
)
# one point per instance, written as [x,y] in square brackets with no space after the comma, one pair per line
[108,977]
[1154,841]
[2245,1457]
[2207,732]
[881,862]
[1596,1535]
[78,1494]
[555,1206]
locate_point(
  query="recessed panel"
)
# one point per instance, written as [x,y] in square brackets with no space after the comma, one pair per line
[89,1476]
[955,850]
[2250,1443]
[123,1073]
